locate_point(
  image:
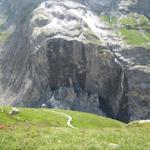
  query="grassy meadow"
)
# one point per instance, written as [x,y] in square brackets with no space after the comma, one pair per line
[47,129]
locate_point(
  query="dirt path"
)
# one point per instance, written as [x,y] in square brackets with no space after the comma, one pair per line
[67,116]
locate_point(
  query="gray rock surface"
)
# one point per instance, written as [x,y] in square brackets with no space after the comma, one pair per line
[61,54]
[137,68]
[14,111]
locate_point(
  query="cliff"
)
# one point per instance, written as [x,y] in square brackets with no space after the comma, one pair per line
[81,55]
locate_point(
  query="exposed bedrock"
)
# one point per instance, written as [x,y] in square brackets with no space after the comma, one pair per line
[72,75]
[137,68]
[59,56]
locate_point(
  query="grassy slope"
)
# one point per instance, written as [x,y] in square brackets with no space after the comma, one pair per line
[32,117]
[133,28]
[138,34]
[87,120]
[37,129]
[134,37]
[49,118]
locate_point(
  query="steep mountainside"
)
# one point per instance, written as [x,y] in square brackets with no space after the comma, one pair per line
[86,55]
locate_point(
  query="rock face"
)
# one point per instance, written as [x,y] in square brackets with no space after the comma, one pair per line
[58,61]
[136,63]
[63,55]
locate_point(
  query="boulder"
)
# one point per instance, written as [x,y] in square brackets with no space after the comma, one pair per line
[14,111]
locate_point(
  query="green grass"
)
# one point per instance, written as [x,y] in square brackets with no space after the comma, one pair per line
[4,36]
[129,27]
[148,36]
[87,120]
[128,21]
[44,138]
[138,124]
[144,20]
[41,129]
[109,20]
[32,117]
[134,19]
[48,118]
[134,37]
